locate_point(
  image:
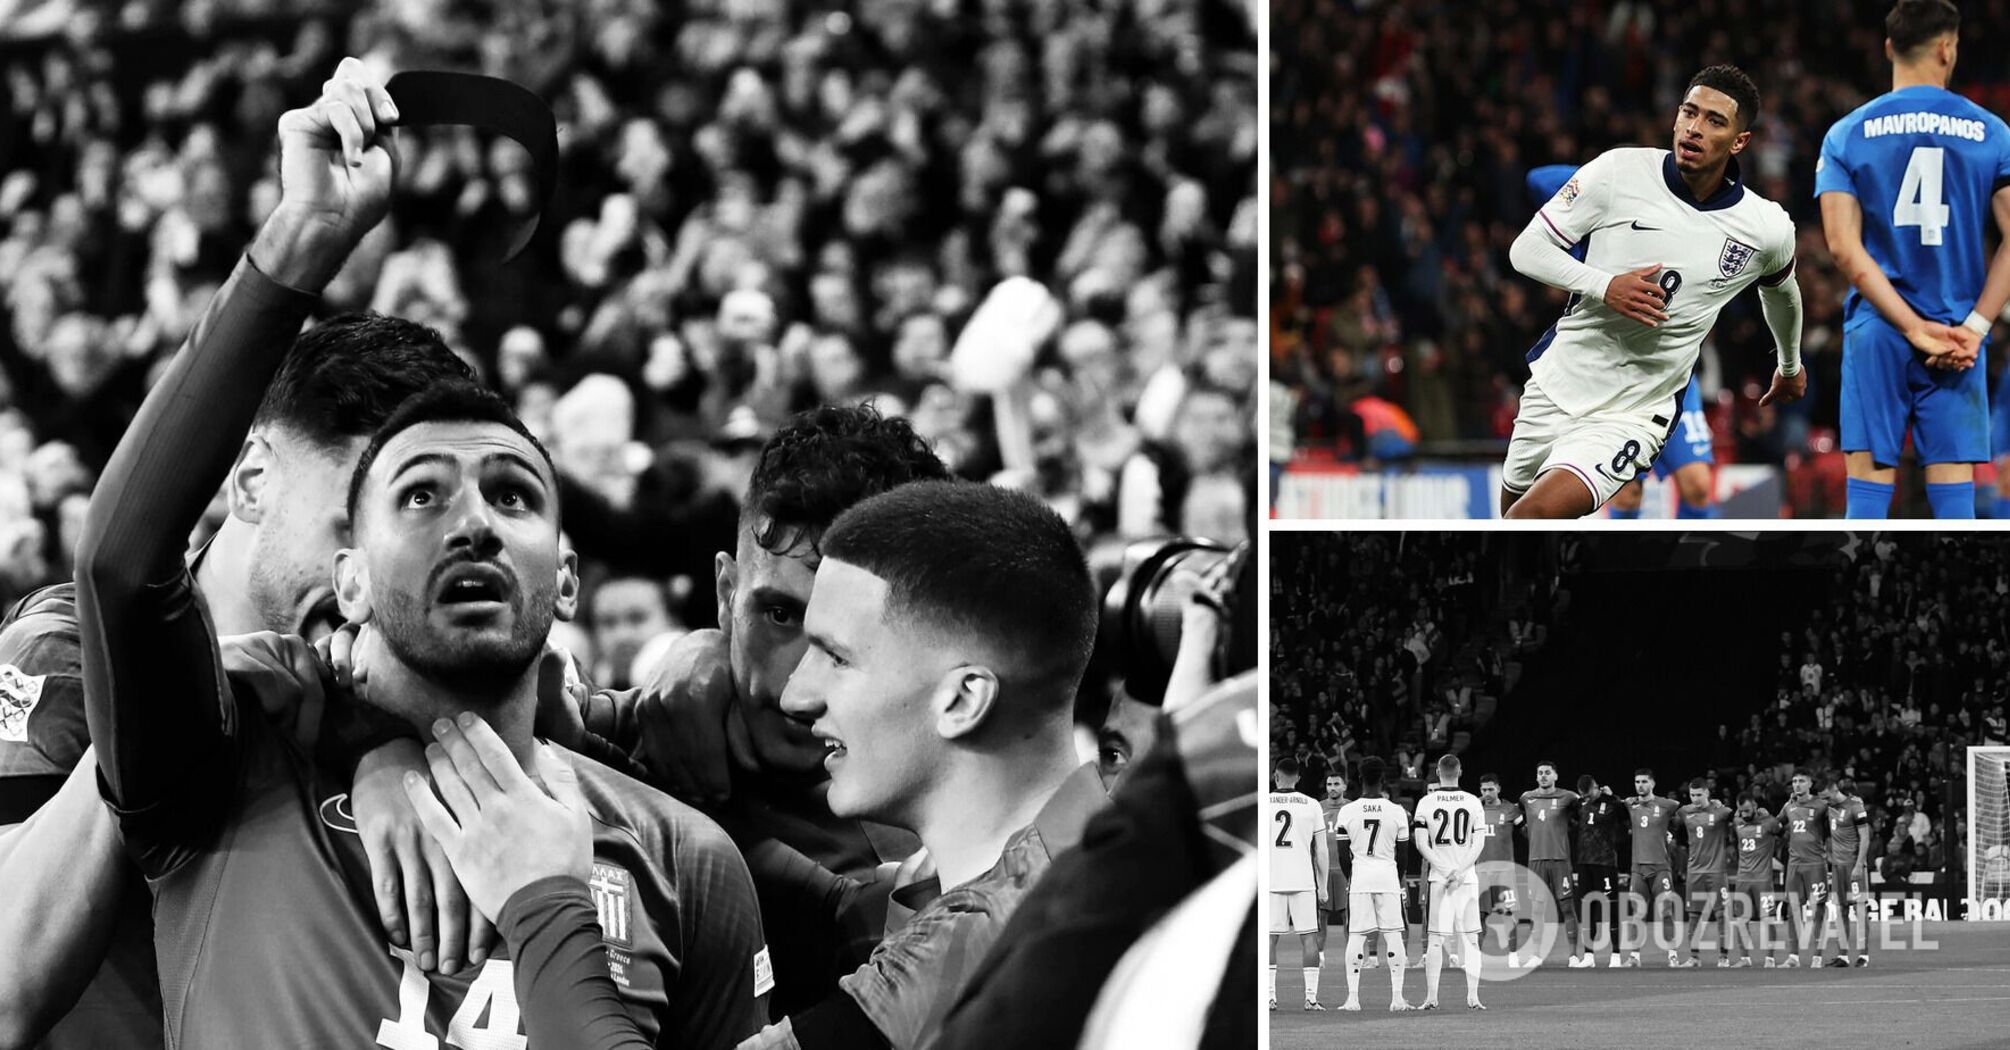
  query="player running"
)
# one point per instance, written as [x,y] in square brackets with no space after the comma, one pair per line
[1549,811]
[1374,825]
[1907,182]
[1600,824]
[1849,855]
[1758,846]
[1707,825]
[1674,235]
[1806,821]
[1449,832]
[1649,878]
[1689,455]
[1297,875]
[1497,898]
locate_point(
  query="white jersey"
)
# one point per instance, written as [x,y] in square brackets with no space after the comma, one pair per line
[1454,825]
[1374,826]
[1630,209]
[1296,822]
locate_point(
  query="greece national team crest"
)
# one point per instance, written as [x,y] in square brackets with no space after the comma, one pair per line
[613,897]
[19,693]
[1737,255]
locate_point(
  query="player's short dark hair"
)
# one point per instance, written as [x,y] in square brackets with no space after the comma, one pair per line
[1371,772]
[1643,771]
[1698,784]
[1449,765]
[1337,773]
[1913,24]
[1585,783]
[1846,784]
[345,376]
[1286,765]
[1490,778]
[1733,82]
[823,461]
[451,402]
[1804,773]
[1546,762]
[993,562]
[1747,796]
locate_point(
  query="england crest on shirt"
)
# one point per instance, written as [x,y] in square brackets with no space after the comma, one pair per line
[1735,257]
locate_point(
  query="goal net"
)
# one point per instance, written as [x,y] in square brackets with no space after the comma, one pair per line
[1988,833]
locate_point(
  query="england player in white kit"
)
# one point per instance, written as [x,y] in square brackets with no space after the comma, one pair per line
[1297,874]
[1375,896]
[1669,237]
[1450,830]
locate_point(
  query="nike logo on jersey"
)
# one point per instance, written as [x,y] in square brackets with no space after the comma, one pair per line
[337,814]
[1645,229]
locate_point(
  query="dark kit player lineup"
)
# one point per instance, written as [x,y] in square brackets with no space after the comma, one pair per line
[601,552]
[1788,757]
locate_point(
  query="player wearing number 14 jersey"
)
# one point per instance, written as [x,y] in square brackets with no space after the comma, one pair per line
[1907,183]
[1672,236]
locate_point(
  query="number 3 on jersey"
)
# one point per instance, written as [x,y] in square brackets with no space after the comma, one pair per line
[1919,196]
[493,992]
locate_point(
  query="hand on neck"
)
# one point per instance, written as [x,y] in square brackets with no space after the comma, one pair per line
[402,691]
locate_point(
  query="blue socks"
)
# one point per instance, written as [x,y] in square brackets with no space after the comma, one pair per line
[1954,501]
[1626,515]
[1869,499]
[1684,510]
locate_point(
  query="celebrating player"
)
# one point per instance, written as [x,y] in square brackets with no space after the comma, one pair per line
[1601,822]
[1374,825]
[1678,235]
[1849,854]
[1806,820]
[1502,818]
[1649,878]
[465,574]
[1706,824]
[1549,811]
[1450,832]
[1689,455]
[1758,847]
[1298,872]
[1906,183]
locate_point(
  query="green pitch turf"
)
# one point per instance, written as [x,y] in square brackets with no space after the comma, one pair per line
[1954,995]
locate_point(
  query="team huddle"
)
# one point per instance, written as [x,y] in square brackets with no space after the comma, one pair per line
[1651,244]
[1604,871]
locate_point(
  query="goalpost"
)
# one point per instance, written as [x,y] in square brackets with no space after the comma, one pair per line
[1988,833]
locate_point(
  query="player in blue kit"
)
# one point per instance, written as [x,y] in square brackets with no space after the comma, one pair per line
[1907,182]
[1687,454]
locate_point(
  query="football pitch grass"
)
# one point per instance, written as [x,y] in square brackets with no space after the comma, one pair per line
[1955,995]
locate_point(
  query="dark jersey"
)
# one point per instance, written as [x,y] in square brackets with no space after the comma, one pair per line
[1707,829]
[1847,821]
[1599,826]
[1502,818]
[1758,842]
[1806,821]
[1649,819]
[42,738]
[270,938]
[1549,814]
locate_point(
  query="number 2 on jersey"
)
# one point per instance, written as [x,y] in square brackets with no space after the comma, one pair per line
[1284,829]
[1920,202]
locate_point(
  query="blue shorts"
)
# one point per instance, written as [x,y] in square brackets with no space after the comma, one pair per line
[1999,417]
[1886,388]
[1690,441]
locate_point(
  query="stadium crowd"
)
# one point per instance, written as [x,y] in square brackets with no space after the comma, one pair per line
[1401,134]
[761,205]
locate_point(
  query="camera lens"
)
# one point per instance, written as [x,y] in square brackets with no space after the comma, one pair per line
[1143,610]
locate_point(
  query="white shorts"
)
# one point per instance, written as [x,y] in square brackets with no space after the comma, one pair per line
[1456,910]
[1368,912]
[1294,912]
[1604,450]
